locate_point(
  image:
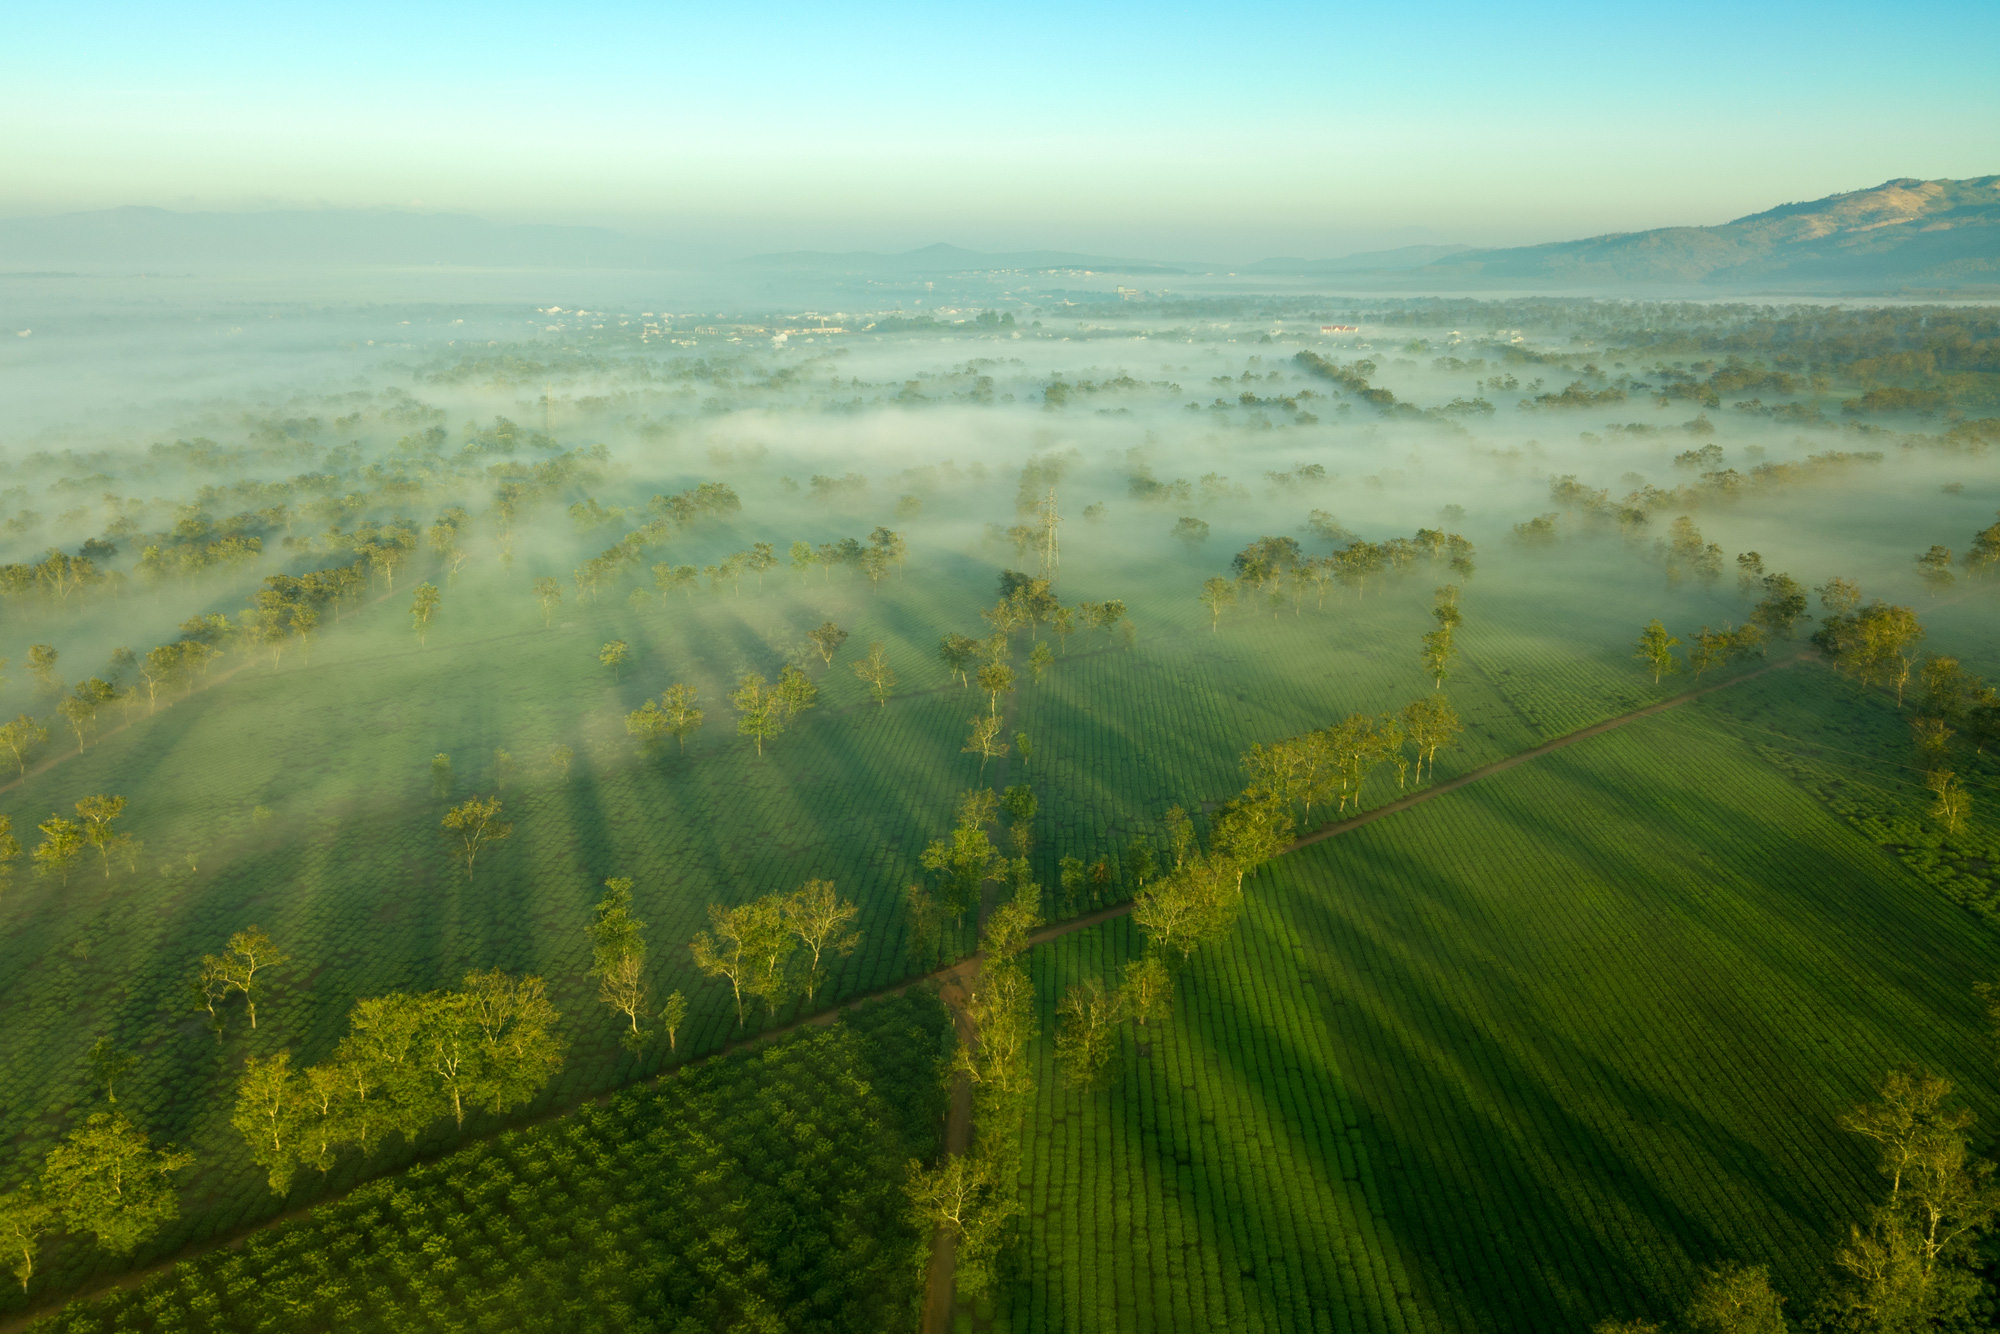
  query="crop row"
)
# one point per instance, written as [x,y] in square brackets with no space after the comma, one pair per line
[1522,1058]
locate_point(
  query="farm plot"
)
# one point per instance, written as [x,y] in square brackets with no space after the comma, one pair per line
[1520,1058]
[300,798]
[764,1190]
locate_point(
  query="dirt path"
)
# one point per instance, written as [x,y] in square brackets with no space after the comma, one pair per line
[954,985]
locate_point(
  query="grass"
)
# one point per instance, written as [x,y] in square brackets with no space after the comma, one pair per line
[1521,1058]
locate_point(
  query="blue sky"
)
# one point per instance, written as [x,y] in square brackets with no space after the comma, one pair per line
[1224,132]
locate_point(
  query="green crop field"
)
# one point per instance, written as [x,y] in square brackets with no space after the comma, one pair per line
[1520,1058]
[758,1191]
[302,793]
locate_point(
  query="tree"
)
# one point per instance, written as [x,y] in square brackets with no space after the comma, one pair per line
[424,610]
[1430,724]
[1784,605]
[1437,653]
[1217,594]
[1711,649]
[996,679]
[492,1045]
[1736,1299]
[876,671]
[267,1111]
[1087,1022]
[1934,567]
[548,593]
[826,640]
[440,775]
[762,556]
[958,653]
[62,842]
[965,1198]
[1148,991]
[112,1182]
[1656,650]
[10,848]
[1020,803]
[804,558]
[966,857]
[672,1015]
[1250,830]
[820,920]
[22,738]
[476,825]
[646,724]
[760,712]
[1913,1267]
[613,655]
[108,1065]
[985,741]
[249,952]
[79,708]
[98,812]
[25,1217]
[42,660]
[1953,803]
[618,952]
[727,952]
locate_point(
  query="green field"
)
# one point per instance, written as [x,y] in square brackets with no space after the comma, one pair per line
[346,868]
[759,1191]
[1518,1059]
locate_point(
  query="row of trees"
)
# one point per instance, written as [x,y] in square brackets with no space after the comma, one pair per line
[773,948]
[65,841]
[1332,764]
[1953,704]
[1277,570]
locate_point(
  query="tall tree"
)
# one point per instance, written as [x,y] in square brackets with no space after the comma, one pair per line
[985,741]
[958,653]
[826,640]
[613,655]
[475,826]
[548,593]
[1217,594]
[268,1111]
[1086,1033]
[62,843]
[26,1216]
[618,952]
[672,1015]
[424,610]
[97,814]
[821,919]
[1656,650]
[108,1065]
[22,738]
[249,952]
[726,950]
[996,679]
[112,1183]
[876,671]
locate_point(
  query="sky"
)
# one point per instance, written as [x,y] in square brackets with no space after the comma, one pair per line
[1214,132]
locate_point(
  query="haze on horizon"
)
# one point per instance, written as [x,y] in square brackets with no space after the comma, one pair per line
[1225,134]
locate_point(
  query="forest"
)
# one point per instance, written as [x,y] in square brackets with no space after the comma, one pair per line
[1078,809]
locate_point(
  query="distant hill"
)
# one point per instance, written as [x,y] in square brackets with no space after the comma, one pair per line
[136,236]
[952,259]
[1902,233]
[1368,261]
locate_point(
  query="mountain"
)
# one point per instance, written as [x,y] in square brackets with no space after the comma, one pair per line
[1902,233]
[1368,261]
[951,259]
[136,236]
